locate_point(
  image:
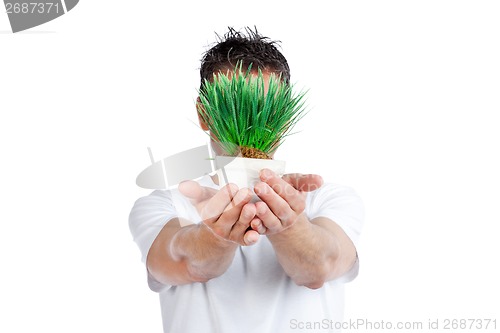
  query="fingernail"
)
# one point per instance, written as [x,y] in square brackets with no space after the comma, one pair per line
[261,210]
[261,188]
[240,195]
[266,174]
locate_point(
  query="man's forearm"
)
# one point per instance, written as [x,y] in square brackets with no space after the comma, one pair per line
[311,253]
[205,255]
[181,255]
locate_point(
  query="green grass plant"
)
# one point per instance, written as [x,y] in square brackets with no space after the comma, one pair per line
[240,113]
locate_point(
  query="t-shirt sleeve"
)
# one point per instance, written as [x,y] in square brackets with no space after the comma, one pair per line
[342,205]
[147,218]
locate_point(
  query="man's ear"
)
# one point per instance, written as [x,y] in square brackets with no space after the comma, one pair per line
[200,109]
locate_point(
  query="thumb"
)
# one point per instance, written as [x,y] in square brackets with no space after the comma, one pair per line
[195,191]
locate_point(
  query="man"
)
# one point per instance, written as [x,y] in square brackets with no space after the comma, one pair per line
[222,263]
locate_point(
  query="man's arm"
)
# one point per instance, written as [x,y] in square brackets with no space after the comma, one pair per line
[313,252]
[310,252]
[181,255]
[200,252]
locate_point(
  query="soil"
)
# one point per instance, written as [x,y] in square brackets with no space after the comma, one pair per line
[250,152]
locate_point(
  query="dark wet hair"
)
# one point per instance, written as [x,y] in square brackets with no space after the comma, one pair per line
[247,48]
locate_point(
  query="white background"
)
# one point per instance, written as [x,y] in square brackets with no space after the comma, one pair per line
[403,96]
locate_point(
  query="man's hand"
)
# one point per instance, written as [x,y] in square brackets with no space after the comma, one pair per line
[283,200]
[226,212]
[311,252]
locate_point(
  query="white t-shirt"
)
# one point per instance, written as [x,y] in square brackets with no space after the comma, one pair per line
[254,294]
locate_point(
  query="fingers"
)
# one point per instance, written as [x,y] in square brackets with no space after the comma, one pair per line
[195,191]
[226,212]
[240,232]
[282,203]
[257,225]
[230,215]
[234,221]
[279,206]
[251,237]
[301,182]
[246,215]
[270,222]
[277,187]
[216,205]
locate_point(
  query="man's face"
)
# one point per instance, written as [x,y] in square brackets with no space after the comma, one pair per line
[266,75]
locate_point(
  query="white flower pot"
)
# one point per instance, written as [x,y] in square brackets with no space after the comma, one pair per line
[244,172]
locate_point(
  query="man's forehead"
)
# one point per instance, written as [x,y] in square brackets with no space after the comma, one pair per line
[230,71]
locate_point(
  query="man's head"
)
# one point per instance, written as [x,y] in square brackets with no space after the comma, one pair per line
[247,48]
[243,49]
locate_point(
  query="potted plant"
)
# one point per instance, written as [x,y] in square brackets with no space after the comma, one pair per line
[248,118]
